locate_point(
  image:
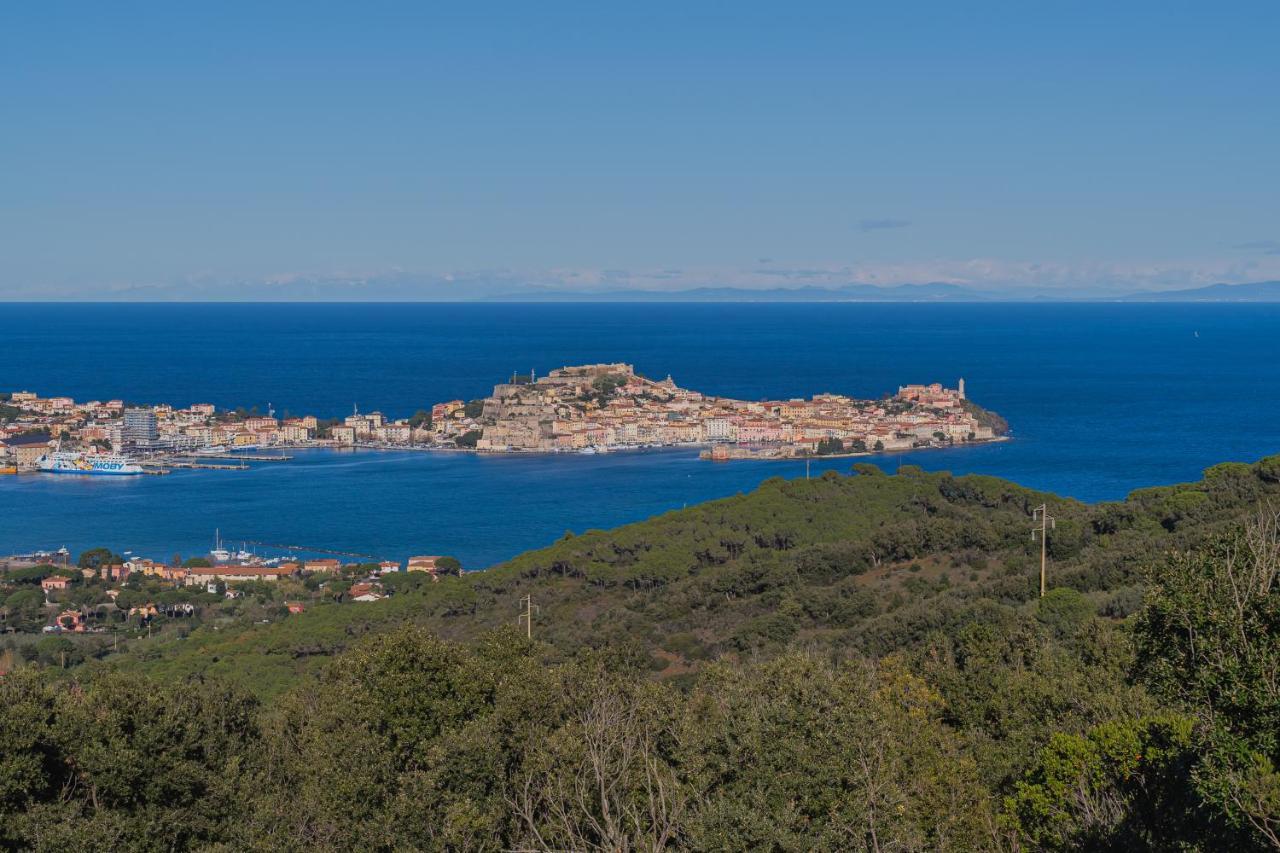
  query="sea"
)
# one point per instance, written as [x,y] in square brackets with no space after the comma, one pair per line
[1101,398]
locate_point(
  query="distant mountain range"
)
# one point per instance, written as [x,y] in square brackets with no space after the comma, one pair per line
[1259,291]
[932,292]
[408,287]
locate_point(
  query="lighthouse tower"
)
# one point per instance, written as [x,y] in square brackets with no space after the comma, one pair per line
[961,388]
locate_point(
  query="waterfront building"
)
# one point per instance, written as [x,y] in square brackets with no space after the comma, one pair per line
[140,428]
[423,564]
[240,574]
[362,425]
[719,429]
[24,450]
[394,433]
[441,411]
[118,572]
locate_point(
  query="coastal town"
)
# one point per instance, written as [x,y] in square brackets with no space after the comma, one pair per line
[604,407]
[584,409]
[99,591]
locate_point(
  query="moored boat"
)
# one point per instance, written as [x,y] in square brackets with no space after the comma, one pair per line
[77,462]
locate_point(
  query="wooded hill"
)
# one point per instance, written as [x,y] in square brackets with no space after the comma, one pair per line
[865,564]
[848,663]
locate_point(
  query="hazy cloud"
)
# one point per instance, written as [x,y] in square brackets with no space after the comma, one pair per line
[1267,247]
[1027,277]
[882,224]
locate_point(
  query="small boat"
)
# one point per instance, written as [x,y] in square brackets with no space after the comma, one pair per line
[219,554]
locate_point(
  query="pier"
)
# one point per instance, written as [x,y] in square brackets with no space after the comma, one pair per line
[237,458]
[307,550]
[179,463]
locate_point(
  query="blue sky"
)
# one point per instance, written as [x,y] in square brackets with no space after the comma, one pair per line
[186,150]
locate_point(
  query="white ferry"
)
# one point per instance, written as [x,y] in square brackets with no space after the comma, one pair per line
[75,462]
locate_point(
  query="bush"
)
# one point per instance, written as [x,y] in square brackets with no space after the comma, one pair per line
[1064,611]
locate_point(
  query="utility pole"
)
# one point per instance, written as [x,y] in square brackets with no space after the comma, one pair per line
[527,616]
[1046,523]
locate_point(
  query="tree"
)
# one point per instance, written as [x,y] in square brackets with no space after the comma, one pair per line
[468,439]
[96,558]
[1123,785]
[29,761]
[31,574]
[197,563]
[828,446]
[448,566]
[57,651]
[606,779]
[1064,611]
[880,771]
[23,609]
[606,385]
[1209,640]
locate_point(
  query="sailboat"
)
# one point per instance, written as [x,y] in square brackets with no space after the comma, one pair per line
[219,553]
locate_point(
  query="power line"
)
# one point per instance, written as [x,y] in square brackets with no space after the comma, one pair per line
[1047,523]
[527,616]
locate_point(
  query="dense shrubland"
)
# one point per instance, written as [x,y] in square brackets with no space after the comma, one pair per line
[848,663]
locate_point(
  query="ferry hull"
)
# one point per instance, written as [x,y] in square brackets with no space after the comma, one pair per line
[93,465]
[92,472]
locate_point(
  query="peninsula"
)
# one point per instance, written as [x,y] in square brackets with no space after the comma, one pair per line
[600,407]
[592,408]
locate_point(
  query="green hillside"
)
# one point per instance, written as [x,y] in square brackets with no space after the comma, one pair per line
[849,663]
[866,563]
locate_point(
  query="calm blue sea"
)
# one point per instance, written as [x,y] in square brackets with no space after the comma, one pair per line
[1102,399]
